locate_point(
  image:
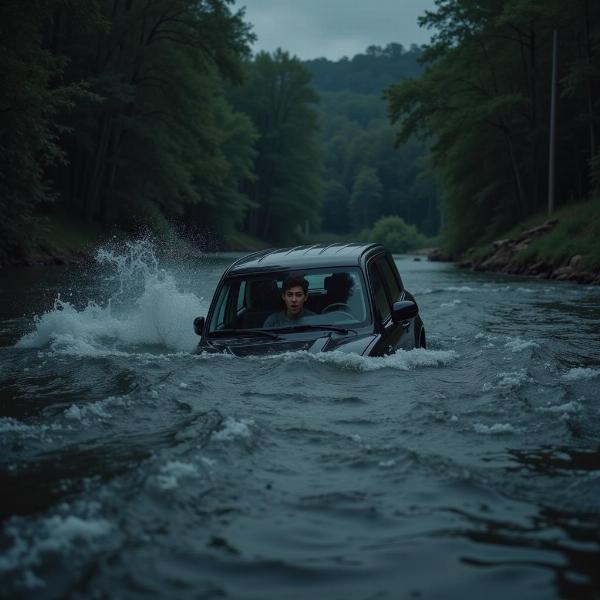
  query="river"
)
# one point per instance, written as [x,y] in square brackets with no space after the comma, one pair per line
[131,468]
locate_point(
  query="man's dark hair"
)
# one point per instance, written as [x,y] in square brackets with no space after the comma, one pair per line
[294,279]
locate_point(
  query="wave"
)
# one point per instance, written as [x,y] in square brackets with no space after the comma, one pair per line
[581,373]
[56,534]
[147,309]
[496,429]
[403,360]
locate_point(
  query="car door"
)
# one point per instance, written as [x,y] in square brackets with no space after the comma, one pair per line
[396,293]
[393,335]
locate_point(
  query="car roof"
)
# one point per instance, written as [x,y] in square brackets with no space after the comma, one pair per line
[305,257]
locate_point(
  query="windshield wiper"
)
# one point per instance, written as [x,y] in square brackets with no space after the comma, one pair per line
[293,328]
[246,332]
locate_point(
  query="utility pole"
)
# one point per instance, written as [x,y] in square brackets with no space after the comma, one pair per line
[552,161]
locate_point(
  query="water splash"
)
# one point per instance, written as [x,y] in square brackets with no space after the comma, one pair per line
[147,308]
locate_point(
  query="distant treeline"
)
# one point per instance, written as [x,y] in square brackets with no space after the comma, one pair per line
[130,113]
[153,113]
[484,101]
[364,178]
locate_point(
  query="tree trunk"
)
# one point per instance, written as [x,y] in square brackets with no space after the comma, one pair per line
[516,171]
[99,166]
[590,94]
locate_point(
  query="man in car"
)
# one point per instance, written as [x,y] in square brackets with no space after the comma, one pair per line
[295,295]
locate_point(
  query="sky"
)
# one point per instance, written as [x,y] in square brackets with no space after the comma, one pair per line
[334,28]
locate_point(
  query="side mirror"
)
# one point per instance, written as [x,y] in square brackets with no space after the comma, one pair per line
[403,311]
[199,325]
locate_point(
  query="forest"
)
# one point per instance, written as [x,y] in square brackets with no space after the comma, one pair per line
[156,116]
[484,103]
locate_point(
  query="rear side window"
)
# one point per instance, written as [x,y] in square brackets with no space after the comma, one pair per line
[381,298]
[389,277]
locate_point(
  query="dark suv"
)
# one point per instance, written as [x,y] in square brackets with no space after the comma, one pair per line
[356,303]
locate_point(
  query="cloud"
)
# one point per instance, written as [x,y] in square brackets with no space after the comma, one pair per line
[334,28]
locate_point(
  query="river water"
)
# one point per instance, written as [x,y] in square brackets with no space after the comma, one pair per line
[130,468]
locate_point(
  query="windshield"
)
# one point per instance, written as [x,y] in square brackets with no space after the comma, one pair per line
[336,297]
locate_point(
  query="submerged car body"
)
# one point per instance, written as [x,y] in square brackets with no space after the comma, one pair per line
[356,303]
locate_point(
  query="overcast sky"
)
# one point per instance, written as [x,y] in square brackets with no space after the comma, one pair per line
[334,28]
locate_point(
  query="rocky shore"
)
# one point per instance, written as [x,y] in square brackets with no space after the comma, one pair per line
[504,257]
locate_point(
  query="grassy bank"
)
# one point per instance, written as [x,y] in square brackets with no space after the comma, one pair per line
[568,249]
[576,233]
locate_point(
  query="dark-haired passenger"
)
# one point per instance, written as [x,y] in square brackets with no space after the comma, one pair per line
[294,295]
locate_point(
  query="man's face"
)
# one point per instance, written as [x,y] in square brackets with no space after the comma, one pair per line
[294,299]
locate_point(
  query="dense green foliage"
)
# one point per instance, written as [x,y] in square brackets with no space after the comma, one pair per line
[286,189]
[484,99]
[31,94]
[116,110]
[357,139]
[396,235]
[366,74]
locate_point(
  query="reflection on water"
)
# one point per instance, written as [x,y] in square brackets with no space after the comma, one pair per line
[131,467]
[566,544]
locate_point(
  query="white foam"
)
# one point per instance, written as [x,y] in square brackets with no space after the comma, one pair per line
[581,373]
[508,380]
[99,409]
[464,289]
[518,345]
[567,408]
[403,360]
[450,304]
[233,429]
[11,425]
[496,429]
[158,312]
[55,534]
[172,472]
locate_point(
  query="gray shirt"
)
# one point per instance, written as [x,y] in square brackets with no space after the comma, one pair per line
[281,319]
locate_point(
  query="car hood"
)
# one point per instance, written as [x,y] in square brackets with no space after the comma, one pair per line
[313,342]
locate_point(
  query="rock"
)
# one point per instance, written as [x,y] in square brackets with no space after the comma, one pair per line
[562,273]
[576,261]
[538,267]
[521,245]
[436,255]
[584,277]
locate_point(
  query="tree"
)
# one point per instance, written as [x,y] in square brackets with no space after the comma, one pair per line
[154,145]
[483,102]
[31,95]
[336,209]
[365,201]
[287,188]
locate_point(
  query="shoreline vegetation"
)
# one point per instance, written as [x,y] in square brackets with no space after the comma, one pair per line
[131,118]
[564,247]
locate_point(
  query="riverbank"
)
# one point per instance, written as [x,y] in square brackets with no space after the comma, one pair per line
[565,247]
[63,240]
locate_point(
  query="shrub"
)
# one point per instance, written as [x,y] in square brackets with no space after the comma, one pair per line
[396,235]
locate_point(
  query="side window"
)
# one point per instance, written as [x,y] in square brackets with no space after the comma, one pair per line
[226,312]
[394,268]
[391,283]
[218,321]
[241,302]
[381,299]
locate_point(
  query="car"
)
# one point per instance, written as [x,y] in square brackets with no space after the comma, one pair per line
[356,303]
